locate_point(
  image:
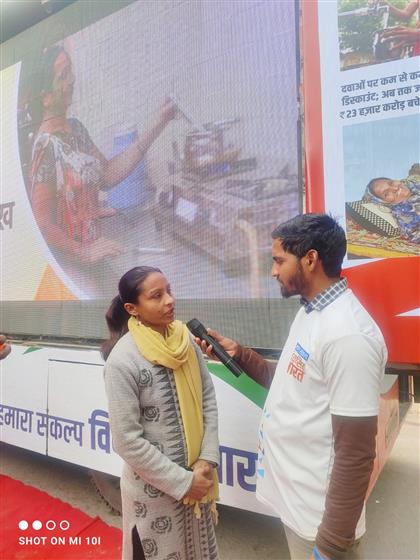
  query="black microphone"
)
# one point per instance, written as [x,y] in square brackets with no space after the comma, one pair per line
[200,331]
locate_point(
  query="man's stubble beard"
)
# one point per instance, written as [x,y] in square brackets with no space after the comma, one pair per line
[297,284]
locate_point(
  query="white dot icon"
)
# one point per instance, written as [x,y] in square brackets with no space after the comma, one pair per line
[37,525]
[23,525]
[64,525]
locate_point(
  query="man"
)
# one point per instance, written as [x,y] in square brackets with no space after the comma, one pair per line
[317,434]
[5,348]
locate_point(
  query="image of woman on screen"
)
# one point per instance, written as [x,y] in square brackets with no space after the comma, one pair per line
[403,199]
[403,35]
[67,170]
[163,417]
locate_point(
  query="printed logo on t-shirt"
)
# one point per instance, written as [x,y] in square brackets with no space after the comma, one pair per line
[296,366]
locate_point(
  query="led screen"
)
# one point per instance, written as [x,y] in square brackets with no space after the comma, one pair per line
[166,134]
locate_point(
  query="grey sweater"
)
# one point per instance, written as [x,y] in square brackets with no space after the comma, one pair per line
[146,427]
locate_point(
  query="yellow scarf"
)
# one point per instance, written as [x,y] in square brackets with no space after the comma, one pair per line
[176,352]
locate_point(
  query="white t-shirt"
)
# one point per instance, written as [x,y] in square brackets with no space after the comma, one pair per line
[332,363]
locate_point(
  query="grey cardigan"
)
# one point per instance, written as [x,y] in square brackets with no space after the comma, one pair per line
[135,399]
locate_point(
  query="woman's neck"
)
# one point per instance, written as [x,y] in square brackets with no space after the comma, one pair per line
[52,122]
[160,329]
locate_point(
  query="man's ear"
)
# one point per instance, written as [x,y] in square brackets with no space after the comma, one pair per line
[311,259]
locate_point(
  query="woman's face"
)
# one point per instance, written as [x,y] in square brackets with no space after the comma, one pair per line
[391,191]
[61,95]
[155,305]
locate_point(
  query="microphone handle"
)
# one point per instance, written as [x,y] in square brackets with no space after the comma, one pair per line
[223,356]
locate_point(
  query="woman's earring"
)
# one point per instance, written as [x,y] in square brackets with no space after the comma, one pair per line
[138,320]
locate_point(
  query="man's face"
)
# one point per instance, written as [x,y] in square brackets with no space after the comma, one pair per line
[60,97]
[288,271]
[391,191]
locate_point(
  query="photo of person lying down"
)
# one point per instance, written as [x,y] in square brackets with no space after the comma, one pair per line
[386,221]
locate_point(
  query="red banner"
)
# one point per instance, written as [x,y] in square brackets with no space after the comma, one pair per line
[388,287]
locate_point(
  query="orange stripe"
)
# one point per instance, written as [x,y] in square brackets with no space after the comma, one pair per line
[314,162]
[51,288]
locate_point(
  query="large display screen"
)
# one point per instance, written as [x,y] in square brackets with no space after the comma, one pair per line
[166,134]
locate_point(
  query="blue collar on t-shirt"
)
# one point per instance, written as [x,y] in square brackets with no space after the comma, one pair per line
[326,297]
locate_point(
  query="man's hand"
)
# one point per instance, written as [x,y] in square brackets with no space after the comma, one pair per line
[227,344]
[201,483]
[5,348]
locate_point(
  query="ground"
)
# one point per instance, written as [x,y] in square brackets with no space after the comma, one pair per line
[393,513]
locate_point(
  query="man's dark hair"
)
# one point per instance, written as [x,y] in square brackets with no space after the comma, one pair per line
[314,231]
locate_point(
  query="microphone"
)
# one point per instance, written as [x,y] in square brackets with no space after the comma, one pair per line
[200,331]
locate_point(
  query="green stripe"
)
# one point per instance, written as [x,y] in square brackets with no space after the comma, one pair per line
[243,384]
[32,349]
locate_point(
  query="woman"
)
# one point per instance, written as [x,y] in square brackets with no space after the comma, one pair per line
[405,36]
[403,199]
[5,348]
[68,170]
[163,418]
